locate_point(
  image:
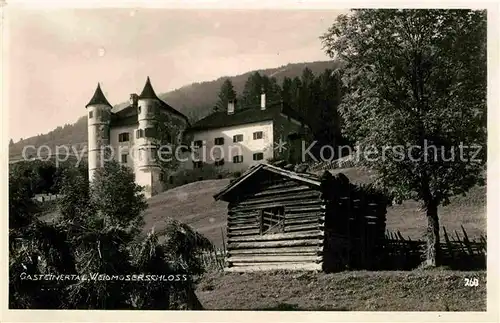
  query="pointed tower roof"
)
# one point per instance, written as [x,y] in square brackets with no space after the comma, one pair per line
[148,92]
[98,97]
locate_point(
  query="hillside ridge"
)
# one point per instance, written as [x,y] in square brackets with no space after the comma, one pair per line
[195,100]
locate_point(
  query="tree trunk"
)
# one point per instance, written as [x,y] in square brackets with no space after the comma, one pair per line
[433,246]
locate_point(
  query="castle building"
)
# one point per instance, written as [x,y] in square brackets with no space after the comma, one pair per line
[127,135]
[235,140]
[231,140]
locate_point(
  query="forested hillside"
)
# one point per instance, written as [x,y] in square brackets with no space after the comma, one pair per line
[195,100]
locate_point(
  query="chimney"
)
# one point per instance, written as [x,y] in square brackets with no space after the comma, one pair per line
[133,100]
[263,99]
[230,107]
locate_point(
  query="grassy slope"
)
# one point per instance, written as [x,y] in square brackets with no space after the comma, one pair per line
[432,290]
[194,204]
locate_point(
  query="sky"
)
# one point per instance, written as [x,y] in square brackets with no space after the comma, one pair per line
[57,56]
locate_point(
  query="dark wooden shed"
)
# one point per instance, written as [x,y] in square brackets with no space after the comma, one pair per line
[280,219]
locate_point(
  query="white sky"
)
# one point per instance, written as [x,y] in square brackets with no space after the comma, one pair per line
[57,56]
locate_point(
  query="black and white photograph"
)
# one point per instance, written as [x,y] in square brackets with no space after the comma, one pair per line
[266,159]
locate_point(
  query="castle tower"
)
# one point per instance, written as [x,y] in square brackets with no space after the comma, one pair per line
[98,116]
[147,170]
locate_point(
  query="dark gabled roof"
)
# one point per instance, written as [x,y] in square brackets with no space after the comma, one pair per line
[124,118]
[126,112]
[167,107]
[308,178]
[147,91]
[222,119]
[98,98]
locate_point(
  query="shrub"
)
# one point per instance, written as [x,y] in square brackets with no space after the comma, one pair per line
[97,233]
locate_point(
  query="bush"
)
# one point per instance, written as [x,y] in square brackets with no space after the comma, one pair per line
[97,232]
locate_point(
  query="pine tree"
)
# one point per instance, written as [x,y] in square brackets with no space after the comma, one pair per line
[252,91]
[226,94]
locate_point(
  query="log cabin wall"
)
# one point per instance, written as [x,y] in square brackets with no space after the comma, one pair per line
[280,225]
[355,227]
[279,219]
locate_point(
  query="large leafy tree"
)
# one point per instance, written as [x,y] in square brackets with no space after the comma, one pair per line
[416,84]
[226,94]
[167,136]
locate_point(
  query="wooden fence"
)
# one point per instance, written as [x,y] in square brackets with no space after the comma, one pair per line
[214,260]
[457,251]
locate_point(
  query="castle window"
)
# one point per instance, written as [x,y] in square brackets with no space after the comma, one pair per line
[198,143]
[139,109]
[105,116]
[258,156]
[139,133]
[153,154]
[257,135]
[237,138]
[91,114]
[151,111]
[123,137]
[219,162]
[150,133]
[124,158]
[238,159]
[219,141]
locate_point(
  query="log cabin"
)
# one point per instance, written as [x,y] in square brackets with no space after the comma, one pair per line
[279,219]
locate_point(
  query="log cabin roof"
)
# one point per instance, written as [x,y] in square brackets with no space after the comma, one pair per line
[307,178]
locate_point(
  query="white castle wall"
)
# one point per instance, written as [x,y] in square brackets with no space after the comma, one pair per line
[248,146]
[120,148]
[98,135]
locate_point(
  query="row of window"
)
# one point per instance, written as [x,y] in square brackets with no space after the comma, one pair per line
[238,159]
[153,152]
[140,133]
[148,133]
[219,141]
